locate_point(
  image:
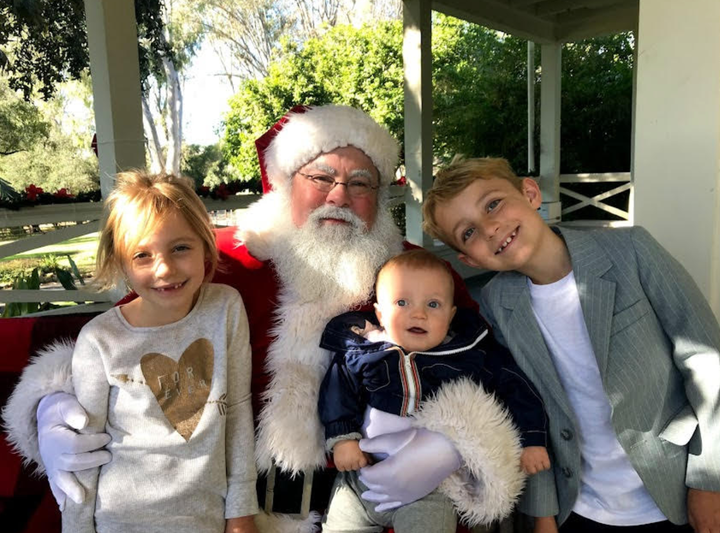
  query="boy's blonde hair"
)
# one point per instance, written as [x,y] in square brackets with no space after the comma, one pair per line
[137,204]
[417,259]
[454,179]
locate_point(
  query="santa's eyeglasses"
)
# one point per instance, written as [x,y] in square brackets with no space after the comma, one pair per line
[356,187]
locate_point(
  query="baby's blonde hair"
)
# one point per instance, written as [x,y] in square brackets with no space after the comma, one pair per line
[417,259]
[137,204]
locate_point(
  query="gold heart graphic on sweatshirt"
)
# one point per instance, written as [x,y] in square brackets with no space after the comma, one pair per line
[181,388]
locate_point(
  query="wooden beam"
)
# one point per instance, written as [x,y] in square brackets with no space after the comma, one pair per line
[603,177]
[576,26]
[51,295]
[546,8]
[52,214]
[499,16]
[34,242]
[523,3]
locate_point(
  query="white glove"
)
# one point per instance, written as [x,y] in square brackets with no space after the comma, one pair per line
[418,461]
[63,450]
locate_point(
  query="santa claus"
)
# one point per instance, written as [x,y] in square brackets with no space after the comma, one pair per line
[304,253]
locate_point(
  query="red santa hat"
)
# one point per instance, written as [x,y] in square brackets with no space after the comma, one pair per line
[305,132]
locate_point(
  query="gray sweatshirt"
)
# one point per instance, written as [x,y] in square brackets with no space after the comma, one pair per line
[176,401]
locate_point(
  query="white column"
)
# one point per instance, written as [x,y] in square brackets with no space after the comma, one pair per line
[417,64]
[113,42]
[677,134]
[531,105]
[550,94]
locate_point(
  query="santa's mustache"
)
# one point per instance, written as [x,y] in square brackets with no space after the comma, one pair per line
[339,213]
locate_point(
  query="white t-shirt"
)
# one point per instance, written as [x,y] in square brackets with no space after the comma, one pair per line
[611,492]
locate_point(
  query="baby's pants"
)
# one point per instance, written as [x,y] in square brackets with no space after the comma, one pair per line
[349,513]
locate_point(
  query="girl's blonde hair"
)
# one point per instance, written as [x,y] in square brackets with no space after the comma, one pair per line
[137,204]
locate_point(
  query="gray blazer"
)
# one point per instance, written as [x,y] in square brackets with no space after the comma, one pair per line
[657,345]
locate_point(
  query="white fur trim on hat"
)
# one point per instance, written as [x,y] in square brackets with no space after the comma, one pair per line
[322,129]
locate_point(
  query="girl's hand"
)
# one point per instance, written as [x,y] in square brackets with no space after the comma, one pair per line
[545,524]
[243,524]
[347,455]
[534,459]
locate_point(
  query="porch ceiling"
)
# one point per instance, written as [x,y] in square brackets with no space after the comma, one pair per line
[546,21]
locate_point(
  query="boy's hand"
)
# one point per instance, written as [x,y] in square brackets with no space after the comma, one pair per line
[534,459]
[243,524]
[704,510]
[347,455]
[545,524]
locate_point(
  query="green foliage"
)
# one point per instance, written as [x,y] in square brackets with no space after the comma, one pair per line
[22,282]
[207,166]
[52,166]
[45,145]
[597,105]
[45,41]
[358,67]
[479,93]
[33,281]
[21,123]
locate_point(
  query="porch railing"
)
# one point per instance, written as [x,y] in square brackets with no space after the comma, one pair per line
[76,220]
[82,219]
[624,181]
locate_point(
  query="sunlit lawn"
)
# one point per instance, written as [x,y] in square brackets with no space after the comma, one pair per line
[81,249]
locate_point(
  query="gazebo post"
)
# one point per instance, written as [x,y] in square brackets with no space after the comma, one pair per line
[113,43]
[417,61]
[550,102]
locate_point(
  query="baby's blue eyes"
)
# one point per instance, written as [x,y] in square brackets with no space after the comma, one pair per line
[433,304]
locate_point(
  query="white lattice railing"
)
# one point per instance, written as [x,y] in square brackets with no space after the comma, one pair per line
[84,219]
[624,179]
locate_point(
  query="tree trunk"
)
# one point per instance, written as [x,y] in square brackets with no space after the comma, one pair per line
[174,118]
[154,145]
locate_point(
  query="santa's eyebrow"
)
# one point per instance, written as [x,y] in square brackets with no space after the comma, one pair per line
[322,167]
[361,173]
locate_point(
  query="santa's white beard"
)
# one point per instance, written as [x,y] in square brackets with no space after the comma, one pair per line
[335,263]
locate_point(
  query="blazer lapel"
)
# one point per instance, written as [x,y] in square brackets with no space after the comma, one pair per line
[597,295]
[524,337]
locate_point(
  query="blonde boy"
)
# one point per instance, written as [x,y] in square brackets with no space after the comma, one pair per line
[618,340]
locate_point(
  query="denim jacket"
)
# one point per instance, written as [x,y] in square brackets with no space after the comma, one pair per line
[382,375]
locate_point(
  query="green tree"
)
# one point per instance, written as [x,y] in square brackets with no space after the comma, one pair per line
[53,148]
[21,123]
[597,104]
[479,92]
[359,67]
[207,166]
[44,42]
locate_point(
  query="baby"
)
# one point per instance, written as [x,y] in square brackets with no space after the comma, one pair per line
[387,363]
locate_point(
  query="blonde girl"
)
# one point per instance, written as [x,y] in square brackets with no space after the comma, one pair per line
[166,375]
